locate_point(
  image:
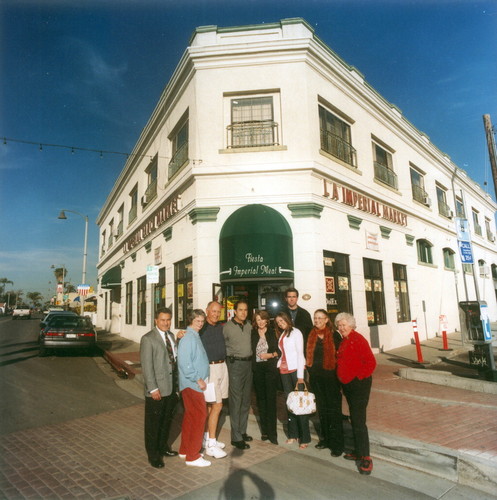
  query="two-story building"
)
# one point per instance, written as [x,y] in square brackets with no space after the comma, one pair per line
[269,162]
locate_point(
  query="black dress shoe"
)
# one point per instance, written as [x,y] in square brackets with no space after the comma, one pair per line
[246,437]
[170,453]
[158,464]
[264,437]
[336,453]
[241,445]
[273,440]
[321,445]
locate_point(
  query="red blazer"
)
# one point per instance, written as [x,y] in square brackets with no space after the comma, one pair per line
[355,358]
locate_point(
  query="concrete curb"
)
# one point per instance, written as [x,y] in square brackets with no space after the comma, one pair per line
[453,465]
[122,368]
[447,379]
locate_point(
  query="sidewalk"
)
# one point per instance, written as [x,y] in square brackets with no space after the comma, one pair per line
[445,425]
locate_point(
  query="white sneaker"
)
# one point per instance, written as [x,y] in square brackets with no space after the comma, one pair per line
[217,444]
[200,462]
[215,452]
[220,445]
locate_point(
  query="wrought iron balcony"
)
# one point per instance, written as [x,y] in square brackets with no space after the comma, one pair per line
[252,134]
[336,146]
[385,175]
[179,158]
[419,194]
[151,191]
[133,211]
[444,209]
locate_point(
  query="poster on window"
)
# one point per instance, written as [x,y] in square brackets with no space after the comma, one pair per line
[377,286]
[181,290]
[189,290]
[370,317]
[403,287]
[343,283]
[330,284]
[396,287]
[367,285]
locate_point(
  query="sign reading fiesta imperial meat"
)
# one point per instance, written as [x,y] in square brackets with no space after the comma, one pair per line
[159,217]
[354,199]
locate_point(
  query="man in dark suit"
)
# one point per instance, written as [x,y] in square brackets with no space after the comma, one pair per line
[158,360]
[300,317]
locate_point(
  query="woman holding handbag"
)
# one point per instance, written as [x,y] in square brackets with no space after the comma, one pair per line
[291,366]
[322,345]
[266,354]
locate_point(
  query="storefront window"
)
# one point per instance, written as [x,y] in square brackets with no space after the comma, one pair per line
[160,291]
[337,283]
[183,290]
[129,302]
[401,293]
[375,295]
[141,304]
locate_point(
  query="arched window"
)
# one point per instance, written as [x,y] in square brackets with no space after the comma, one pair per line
[449,262]
[494,271]
[483,269]
[424,251]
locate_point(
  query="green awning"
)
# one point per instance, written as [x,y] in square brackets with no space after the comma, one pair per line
[256,244]
[111,278]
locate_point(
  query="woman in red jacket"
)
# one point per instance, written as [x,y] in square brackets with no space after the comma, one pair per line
[355,365]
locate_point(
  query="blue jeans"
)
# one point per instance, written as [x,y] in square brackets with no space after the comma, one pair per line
[298,425]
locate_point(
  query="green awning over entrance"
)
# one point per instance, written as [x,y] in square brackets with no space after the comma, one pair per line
[111,278]
[256,243]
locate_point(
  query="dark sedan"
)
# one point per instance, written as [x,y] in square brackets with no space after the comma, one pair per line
[68,332]
[53,314]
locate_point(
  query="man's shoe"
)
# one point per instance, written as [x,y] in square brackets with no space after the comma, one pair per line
[350,456]
[200,462]
[246,437]
[321,445]
[241,445]
[264,437]
[336,453]
[158,464]
[365,466]
[215,452]
[273,440]
[170,453]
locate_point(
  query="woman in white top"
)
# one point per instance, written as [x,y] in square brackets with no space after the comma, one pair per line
[291,365]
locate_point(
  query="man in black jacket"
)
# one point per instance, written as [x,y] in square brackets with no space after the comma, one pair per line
[300,317]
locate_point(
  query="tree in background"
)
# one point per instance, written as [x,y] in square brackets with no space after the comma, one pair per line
[35,298]
[3,283]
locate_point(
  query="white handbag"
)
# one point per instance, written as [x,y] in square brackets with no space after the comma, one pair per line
[301,402]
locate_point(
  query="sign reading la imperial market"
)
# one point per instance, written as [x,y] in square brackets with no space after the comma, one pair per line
[352,198]
[159,217]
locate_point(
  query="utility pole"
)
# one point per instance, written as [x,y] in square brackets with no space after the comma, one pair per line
[492,152]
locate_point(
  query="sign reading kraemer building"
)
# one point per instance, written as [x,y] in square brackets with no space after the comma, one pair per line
[348,196]
[159,217]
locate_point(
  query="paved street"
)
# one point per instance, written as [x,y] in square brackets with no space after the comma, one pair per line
[79,445]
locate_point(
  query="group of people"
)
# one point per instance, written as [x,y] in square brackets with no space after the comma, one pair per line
[236,356]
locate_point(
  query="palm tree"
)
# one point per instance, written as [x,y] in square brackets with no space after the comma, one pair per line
[3,282]
[35,298]
[59,273]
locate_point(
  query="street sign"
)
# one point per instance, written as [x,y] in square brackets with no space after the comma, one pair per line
[465,252]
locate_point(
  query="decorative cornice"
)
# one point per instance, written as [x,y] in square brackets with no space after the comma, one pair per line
[300,210]
[385,232]
[354,222]
[204,214]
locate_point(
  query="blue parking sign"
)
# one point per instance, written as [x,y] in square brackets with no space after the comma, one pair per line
[466,252]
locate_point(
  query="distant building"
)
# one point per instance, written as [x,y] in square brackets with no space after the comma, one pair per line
[269,162]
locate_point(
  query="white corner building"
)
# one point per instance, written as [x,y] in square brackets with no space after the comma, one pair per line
[269,162]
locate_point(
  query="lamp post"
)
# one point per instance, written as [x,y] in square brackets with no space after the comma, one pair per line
[62,215]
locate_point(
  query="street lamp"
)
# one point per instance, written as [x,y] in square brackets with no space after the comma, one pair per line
[62,215]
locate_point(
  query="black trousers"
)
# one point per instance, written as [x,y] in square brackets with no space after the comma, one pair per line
[357,395]
[158,418]
[327,389]
[266,379]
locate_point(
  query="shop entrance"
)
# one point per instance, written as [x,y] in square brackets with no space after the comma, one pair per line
[264,295]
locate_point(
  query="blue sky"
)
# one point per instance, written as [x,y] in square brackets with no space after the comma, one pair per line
[88,73]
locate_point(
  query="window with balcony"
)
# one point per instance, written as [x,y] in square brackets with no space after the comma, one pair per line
[252,123]
[110,241]
[151,191]
[133,201]
[443,207]
[103,241]
[476,222]
[483,269]
[336,137]
[120,224]
[383,166]
[418,187]
[449,261]
[488,229]
[424,251]
[179,146]
[460,212]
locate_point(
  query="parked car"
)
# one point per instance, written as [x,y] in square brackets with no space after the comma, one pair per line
[68,332]
[21,312]
[53,314]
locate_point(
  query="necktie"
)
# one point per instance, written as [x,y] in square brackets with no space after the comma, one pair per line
[171,359]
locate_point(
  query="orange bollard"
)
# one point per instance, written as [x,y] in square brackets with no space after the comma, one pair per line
[416,339]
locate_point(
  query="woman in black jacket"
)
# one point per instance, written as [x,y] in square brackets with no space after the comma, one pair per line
[266,373]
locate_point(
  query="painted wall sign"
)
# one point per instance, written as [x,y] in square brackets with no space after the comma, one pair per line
[352,198]
[159,217]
